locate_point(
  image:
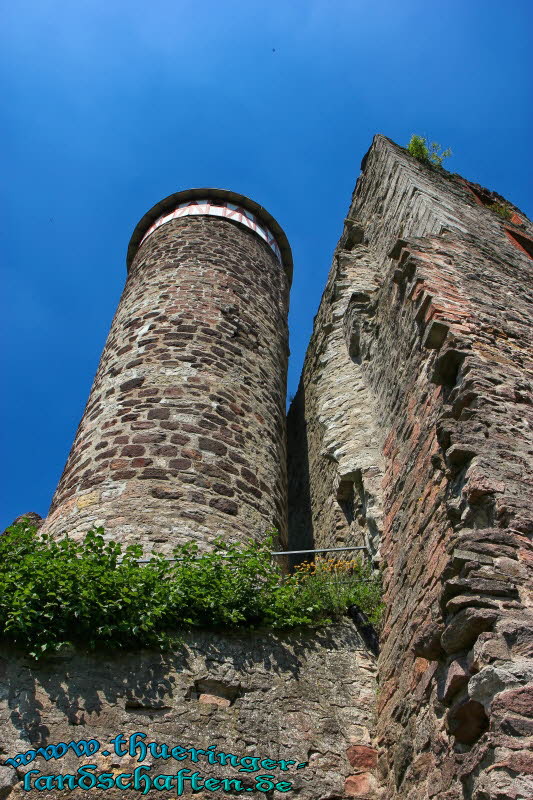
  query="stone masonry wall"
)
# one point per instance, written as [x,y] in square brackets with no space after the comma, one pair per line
[305,697]
[335,461]
[183,436]
[433,292]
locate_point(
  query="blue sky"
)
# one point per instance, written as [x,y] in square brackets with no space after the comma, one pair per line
[110,106]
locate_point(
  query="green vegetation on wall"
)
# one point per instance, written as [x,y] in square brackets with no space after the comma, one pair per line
[502,209]
[429,153]
[93,593]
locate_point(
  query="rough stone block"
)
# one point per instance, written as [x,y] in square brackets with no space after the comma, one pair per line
[8,779]
[362,757]
[357,785]
[89,499]
[427,642]
[465,627]
[456,679]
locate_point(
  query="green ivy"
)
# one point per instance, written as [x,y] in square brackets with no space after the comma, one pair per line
[93,593]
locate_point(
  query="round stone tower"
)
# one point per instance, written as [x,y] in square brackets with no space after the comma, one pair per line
[183,437]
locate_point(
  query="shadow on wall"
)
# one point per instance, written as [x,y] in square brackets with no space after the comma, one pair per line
[73,688]
[301,534]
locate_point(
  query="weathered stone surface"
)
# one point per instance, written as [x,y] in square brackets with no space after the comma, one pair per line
[8,778]
[488,648]
[492,680]
[456,679]
[461,601]
[357,785]
[427,641]
[362,757]
[465,627]
[517,701]
[518,635]
[213,699]
[335,463]
[306,697]
[429,386]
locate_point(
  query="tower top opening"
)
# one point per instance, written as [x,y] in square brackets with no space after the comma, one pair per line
[214,202]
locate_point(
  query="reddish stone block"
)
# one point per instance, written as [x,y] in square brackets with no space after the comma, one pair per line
[517,701]
[154,472]
[123,475]
[465,627]
[165,450]
[107,454]
[357,785]
[427,641]
[166,494]
[362,757]
[179,438]
[180,463]
[148,438]
[141,462]
[195,455]
[133,450]
[419,668]
[521,763]
[119,463]
[212,446]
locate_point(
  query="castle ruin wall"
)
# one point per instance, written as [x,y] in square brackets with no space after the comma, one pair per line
[410,435]
[431,298]
[307,697]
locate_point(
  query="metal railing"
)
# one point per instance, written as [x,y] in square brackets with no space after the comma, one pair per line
[320,550]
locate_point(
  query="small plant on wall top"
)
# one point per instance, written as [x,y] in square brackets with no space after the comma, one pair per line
[502,209]
[429,153]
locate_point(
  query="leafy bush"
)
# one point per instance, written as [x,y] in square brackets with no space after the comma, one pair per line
[92,592]
[430,153]
[335,585]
